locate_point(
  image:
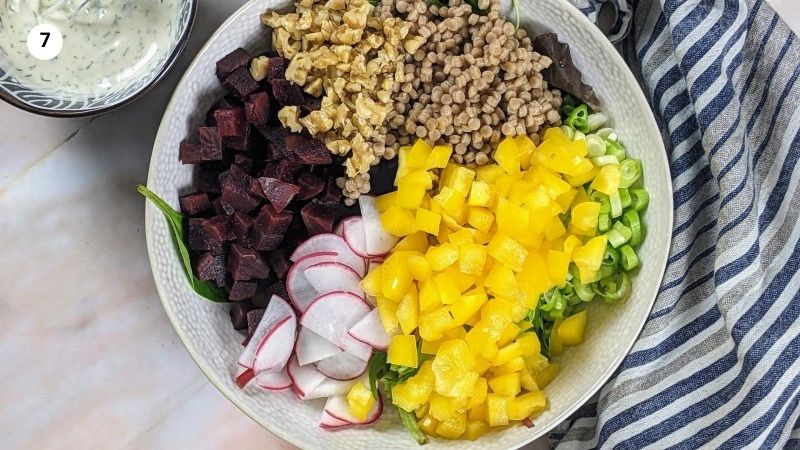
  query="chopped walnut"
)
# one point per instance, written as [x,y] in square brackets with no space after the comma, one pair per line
[288,115]
[259,68]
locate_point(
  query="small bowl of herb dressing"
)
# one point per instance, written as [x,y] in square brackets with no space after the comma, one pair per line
[68,58]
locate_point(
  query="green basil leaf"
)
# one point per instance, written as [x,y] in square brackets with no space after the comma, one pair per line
[176,226]
[375,368]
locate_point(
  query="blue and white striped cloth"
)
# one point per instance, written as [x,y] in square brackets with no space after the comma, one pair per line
[718,363]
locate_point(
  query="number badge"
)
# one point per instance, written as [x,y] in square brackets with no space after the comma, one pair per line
[45,42]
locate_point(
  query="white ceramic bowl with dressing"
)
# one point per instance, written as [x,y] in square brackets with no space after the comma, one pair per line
[113,52]
[205,327]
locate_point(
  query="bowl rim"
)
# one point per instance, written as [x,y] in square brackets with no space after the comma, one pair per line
[537,432]
[169,62]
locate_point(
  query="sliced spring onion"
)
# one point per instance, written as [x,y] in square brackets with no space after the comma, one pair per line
[628,257]
[615,150]
[631,220]
[625,197]
[630,171]
[595,146]
[584,292]
[603,222]
[568,131]
[610,258]
[605,160]
[577,119]
[596,120]
[616,204]
[640,198]
[614,288]
[579,136]
[619,235]
[607,133]
[599,197]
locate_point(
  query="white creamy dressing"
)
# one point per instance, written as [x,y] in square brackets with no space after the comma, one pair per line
[106,44]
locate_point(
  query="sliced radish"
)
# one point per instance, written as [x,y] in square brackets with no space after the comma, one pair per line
[359,349]
[332,315]
[353,233]
[328,388]
[300,291]
[277,347]
[378,241]
[312,347]
[329,242]
[344,366]
[305,378]
[277,311]
[328,421]
[370,330]
[276,381]
[327,277]
[336,406]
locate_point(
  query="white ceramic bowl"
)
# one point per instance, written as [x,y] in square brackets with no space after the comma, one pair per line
[205,327]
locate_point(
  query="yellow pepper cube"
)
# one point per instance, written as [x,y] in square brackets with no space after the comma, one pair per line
[517,364]
[507,353]
[482,365]
[372,283]
[410,195]
[422,177]
[472,258]
[428,425]
[607,179]
[511,219]
[590,255]
[443,407]
[457,332]
[476,429]
[403,351]
[477,412]
[439,157]
[565,200]
[497,409]
[529,343]
[525,148]
[488,173]
[430,347]
[509,334]
[417,156]
[449,199]
[418,266]
[571,243]
[452,369]
[461,237]
[528,381]
[408,311]
[461,180]
[504,184]
[554,229]
[402,163]
[442,256]
[453,427]
[534,278]
[499,313]
[507,384]
[396,278]
[535,363]
[360,400]
[501,281]
[507,251]
[415,392]
[573,329]
[469,304]
[428,296]
[557,267]
[478,393]
[447,287]
[555,344]
[480,341]
[507,155]
[526,405]
[588,275]
[387,310]
[554,184]
[427,221]
[383,202]
[480,218]
[580,180]
[413,242]
[480,194]
[547,375]
[479,237]
[398,221]
[433,324]
[584,216]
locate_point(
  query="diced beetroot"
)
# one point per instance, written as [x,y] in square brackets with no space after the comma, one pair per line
[242,290]
[232,61]
[272,152]
[236,186]
[257,109]
[211,268]
[310,185]
[318,217]
[332,194]
[231,122]
[287,93]
[263,241]
[279,193]
[194,204]
[208,181]
[308,150]
[222,208]
[279,262]
[284,170]
[241,83]
[310,104]
[198,239]
[275,135]
[218,228]
[242,142]
[253,319]
[246,264]
[243,162]
[239,315]
[197,153]
[241,224]
[277,68]
[382,176]
[270,221]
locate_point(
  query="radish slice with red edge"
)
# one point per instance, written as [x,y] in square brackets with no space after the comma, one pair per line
[332,315]
[342,367]
[327,277]
[328,421]
[276,381]
[337,407]
[377,240]
[329,242]
[277,311]
[275,350]
[370,331]
[354,235]
[359,349]
[300,291]
[328,388]
[312,347]
[304,378]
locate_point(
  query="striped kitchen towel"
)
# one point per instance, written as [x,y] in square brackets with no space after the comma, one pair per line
[718,363]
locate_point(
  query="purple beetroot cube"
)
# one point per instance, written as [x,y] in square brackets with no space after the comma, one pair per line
[222,208]
[271,221]
[242,290]
[236,185]
[277,68]
[279,288]
[310,185]
[257,109]
[241,83]
[211,267]
[194,204]
[279,193]
[199,239]
[241,224]
[241,143]
[245,264]
[239,315]
[218,228]
[308,150]
[262,241]
[318,217]
[232,61]
[208,181]
[231,122]
[243,162]
[287,93]
[189,153]
[253,319]
[279,262]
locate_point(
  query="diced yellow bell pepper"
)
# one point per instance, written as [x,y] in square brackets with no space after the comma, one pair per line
[571,243]
[418,266]
[480,218]
[507,384]
[447,286]
[516,364]
[507,251]
[449,199]
[432,324]
[461,237]
[418,155]
[428,425]
[466,307]
[554,229]
[573,328]
[588,275]
[534,278]
[497,409]
[607,179]
[443,407]
[408,311]
[547,375]
[402,163]
[479,392]
[496,314]
[580,180]
[430,347]
[395,278]
[507,156]
[427,221]
[398,221]
[554,184]
[461,180]
[409,195]
[526,405]
[525,148]
[480,194]
[452,369]
[507,353]
[565,200]
[477,412]
[464,281]
[535,363]
[383,202]
[555,344]
[441,256]
[360,400]
[511,331]
[417,177]
[529,343]
[387,309]
[482,365]
[590,255]
[413,242]
[488,173]
[372,283]
[504,183]
[416,390]
[501,281]
[557,267]
[456,332]
[584,216]
[481,342]
[422,411]
[476,429]
[527,380]
[428,297]
[511,219]
[439,157]
[403,351]
[453,427]
[472,258]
